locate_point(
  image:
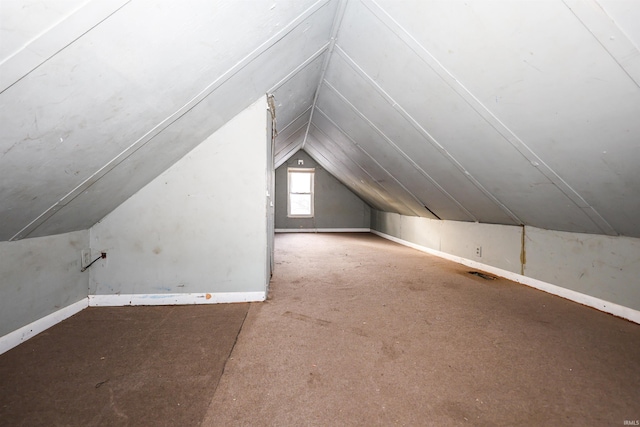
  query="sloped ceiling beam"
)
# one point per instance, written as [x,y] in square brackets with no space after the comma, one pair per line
[461,90]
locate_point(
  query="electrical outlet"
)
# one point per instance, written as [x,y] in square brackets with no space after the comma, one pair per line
[85,257]
[479,251]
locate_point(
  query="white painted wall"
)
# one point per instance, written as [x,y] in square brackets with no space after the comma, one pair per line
[200,227]
[603,267]
[40,276]
[500,244]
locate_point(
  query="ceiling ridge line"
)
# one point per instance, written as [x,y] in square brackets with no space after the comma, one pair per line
[372,187]
[417,199]
[335,27]
[161,126]
[364,170]
[483,111]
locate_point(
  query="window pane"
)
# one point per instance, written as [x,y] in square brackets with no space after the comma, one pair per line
[300,182]
[300,204]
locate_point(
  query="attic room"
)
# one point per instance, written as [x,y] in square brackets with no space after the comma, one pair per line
[275,207]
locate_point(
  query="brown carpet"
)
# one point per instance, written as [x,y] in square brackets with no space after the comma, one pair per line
[125,366]
[362,331]
[357,331]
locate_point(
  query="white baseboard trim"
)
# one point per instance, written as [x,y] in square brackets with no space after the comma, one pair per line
[322,230]
[15,338]
[19,336]
[589,301]
[174,299]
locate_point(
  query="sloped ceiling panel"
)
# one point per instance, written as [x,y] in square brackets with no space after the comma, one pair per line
[494,111]
[285,148]
[503,122]
[295,96]
[130,83]
[468,138]
[562,102]
[350,174]
[371,119]
[365,170]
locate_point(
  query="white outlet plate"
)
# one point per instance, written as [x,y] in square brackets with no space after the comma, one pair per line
[479,251]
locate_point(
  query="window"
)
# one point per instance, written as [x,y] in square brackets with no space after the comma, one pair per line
[300,204]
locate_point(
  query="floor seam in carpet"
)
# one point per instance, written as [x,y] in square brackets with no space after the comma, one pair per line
[235,341]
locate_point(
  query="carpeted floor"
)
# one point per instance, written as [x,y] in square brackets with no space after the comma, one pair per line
[124,366]
[357,331]
[362,331]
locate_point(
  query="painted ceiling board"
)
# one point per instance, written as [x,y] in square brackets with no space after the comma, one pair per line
[299,123]
[236,90]
[288,147]
[33,32]
[465,107]
[341,175]
[295,96]
[459,126]
[560,90]
[332,139]
[350,172]
[343,169]
[25,21]
[626,15]
[450,190]
[359,133]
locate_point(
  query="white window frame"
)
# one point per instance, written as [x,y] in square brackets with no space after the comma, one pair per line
[310,171]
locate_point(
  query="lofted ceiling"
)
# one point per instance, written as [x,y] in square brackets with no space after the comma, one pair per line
[510,112]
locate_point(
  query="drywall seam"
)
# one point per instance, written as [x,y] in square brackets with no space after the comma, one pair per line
[175,299]
[589,301]
[323,230]
[19,336]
